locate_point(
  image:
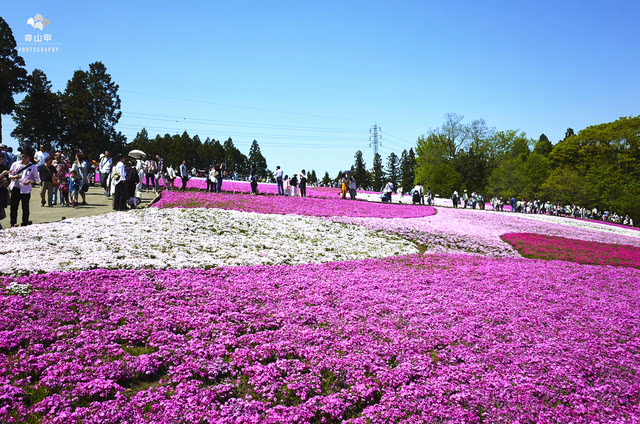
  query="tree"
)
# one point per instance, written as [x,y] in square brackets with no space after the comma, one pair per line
[91,108]
[38,116]
[377,172]
[543,146]
[257,160]
[569,133]
[313,178]
[360,170]
[407,168]
[478,134]
[326,180]
[393,169]
[234,159]
[13,75]
[454,133]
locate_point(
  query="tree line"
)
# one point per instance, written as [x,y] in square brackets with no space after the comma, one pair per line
[597,167]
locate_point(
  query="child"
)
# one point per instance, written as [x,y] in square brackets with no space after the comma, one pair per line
[286,185]
[75,184]
[64,192]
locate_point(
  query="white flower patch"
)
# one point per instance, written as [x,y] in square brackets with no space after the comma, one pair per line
[16,288]
[186,238]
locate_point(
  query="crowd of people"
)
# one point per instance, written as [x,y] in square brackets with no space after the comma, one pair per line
[476,201]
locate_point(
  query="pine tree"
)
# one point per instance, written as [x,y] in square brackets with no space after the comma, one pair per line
[393,171]
[13,75]
[326,180]
[360,170]
[257,160]
[377,172]
[313,178]
[407,165]
[38,116]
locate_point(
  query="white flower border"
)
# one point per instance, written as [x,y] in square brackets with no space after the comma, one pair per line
[189,238]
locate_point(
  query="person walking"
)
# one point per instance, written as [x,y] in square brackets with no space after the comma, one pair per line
[352,188]
[22,175]
[47,173]
[254,181]
[303,183]
[184,175]
[161,173]
[105,170]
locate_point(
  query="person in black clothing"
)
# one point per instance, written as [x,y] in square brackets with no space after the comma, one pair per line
[303,183]
[294,185]
[4,190]
[254,180]
[46,172]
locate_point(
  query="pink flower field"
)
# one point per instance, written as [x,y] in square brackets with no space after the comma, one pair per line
[538,246]
[431,338]
[469,331]
[322,207]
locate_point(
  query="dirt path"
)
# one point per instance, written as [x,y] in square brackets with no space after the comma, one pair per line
[97,204]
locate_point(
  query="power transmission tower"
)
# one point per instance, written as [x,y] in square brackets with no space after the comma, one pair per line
[375,139]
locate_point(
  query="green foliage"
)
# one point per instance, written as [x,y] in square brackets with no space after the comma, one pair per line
[407,168]
[393,169]
[377,172]
[313,178]
[38,116]
[91,109]
[13,75]
[326,180]
[257,160]
[360,170]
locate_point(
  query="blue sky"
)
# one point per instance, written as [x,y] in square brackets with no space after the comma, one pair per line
[308,79]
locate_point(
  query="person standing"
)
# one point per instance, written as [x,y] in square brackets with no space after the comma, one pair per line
[120,177]
[219,177]
[254,181]
[47,173]
[294,185]
[171,177]
[41,155]
[81,166]
[303,183]
[105,170]
[184,175]
[162,173]
[211,177]
[22,175]
[4,184]
[279,175]
[352,188]
[62,168]
[150,169]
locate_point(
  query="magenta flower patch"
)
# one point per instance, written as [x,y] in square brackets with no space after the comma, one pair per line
[444,338]
[323,207]
[538,246]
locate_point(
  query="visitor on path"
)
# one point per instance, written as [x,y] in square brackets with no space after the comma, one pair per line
[81,166]
[75,185]
[352,188]
[254,181]
[120,178]
[417,195]
[171,177]
[303,183]
[150,170]
[455,199]
[4,184]
[63,192]
[41,155]
[210,180]
[279,174]
[184,175]
[22,175]
[429,196]
[105,171]
[294,185]
[219,177]
[286,185]
[161,174]
[465,199]
[388,190]
[344,186]
[47,173]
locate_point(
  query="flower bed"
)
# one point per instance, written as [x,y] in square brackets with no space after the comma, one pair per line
[447,338]
[291,205]
[479,232]
[537,246]
[232,186]
[184,238]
